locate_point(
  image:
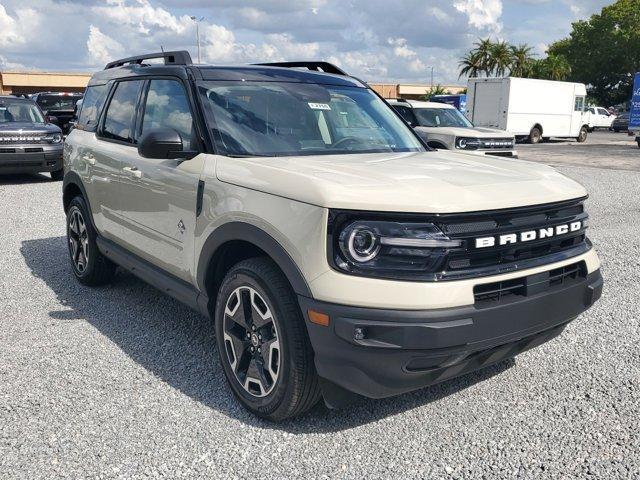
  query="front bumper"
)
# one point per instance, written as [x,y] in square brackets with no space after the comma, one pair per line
[380,353]
[30,158]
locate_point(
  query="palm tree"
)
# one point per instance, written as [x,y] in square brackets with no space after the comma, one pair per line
[500,59]
[521,60]
[470,65]
[484,52]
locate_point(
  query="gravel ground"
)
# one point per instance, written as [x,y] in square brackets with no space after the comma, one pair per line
[124,382]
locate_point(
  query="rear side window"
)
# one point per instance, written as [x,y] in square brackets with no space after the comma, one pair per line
[92,104]
[406,114]
[167,106]
[118,122]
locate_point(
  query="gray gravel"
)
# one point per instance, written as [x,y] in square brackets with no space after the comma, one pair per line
[123,382]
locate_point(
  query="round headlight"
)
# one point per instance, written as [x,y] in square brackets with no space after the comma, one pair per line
[363,245]
[462,143]
[55,138]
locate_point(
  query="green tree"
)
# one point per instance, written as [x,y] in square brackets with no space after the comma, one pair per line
[604,51]
[437,90]
[470,65]
[521,60]
[500,59]
[554,67]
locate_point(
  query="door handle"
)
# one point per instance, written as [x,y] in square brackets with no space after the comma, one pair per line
[133,171]
[88,158]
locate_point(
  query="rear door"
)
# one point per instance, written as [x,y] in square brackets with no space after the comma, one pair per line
[487,104]
[159,196]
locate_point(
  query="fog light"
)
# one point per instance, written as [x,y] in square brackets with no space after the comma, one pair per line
[358,334]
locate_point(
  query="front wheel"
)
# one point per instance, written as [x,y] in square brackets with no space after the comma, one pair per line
[262,341]
[582,137]
[89,265]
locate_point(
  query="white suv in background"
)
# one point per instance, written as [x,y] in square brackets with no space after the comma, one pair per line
[442,126]
[598,117]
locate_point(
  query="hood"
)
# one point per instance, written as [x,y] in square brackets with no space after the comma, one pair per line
[27,127]
[476,132]
[425,182]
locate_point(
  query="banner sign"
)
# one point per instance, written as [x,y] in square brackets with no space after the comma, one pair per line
[634,118]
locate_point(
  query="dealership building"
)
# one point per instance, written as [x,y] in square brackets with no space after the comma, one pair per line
[15,83]
[410,91]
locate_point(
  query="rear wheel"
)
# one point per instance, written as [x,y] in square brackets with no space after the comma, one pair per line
[582,137]
[89,266]
[263,344]
[535,136]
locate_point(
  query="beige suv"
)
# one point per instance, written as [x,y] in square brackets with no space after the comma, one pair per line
[338,255]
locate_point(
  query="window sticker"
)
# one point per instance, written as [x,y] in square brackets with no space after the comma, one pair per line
[319,106]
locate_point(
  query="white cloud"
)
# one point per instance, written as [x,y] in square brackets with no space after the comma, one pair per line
[102,48]
[482,14]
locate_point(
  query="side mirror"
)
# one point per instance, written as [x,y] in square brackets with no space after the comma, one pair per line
[52,119]
[161,143]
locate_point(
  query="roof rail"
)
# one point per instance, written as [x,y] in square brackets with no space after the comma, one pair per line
[178,57]
[325,67]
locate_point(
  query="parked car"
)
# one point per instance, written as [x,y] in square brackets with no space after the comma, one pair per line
[442,126]
[598,117]
[28,143]
[337,255]
[621,123]
[58,104]
[530,109]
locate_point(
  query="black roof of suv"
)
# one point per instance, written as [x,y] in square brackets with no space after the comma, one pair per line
[178,63]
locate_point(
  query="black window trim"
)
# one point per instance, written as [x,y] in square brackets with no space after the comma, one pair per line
[94,127]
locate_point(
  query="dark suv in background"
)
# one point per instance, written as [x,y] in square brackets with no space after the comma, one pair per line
[59,106]
[28,143]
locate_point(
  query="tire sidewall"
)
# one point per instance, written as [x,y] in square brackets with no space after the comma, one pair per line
[582,137]
[535,136]
[268,404]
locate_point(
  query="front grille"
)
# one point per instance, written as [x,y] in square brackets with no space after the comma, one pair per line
[496,143]
[471,260]
[506,291]
[22,139]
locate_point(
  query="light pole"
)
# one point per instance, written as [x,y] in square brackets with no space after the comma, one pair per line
[197,22]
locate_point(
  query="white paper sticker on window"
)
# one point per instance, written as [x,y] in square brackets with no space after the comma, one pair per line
[319,106]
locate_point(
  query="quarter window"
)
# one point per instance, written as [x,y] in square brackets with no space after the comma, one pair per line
[118,122]
[167,106]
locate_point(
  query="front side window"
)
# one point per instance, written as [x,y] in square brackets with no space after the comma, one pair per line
[441,117]
[118,122]
[281,118]
[19,111]
[167,106]
[92,104]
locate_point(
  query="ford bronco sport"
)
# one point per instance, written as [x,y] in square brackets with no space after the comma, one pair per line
[337,254]
[28,142]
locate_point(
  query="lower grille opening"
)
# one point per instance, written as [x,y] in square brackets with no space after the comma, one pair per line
[491,294]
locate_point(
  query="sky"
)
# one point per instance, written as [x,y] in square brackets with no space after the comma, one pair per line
[376,40]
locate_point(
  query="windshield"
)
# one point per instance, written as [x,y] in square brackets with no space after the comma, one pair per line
[441,117]
[58,102]
[11,112]
[278,119]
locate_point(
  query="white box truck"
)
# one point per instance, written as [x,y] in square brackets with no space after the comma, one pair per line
[528,108]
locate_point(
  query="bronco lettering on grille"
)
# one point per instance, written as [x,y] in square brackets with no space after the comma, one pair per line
[528,236]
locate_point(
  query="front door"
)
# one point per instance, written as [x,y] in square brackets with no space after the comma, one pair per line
[159,196]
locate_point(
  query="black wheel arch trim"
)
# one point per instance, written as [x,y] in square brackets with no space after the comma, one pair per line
[73,179]
[246,232]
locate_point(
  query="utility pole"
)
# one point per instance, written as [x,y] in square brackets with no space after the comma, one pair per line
[197,22]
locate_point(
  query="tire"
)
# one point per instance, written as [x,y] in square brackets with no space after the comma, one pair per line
[89,266]
[583,135]
[616,130]
[288,384]
[57,175]
[535,136]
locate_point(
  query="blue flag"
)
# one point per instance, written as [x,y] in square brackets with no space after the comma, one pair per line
[634,119]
